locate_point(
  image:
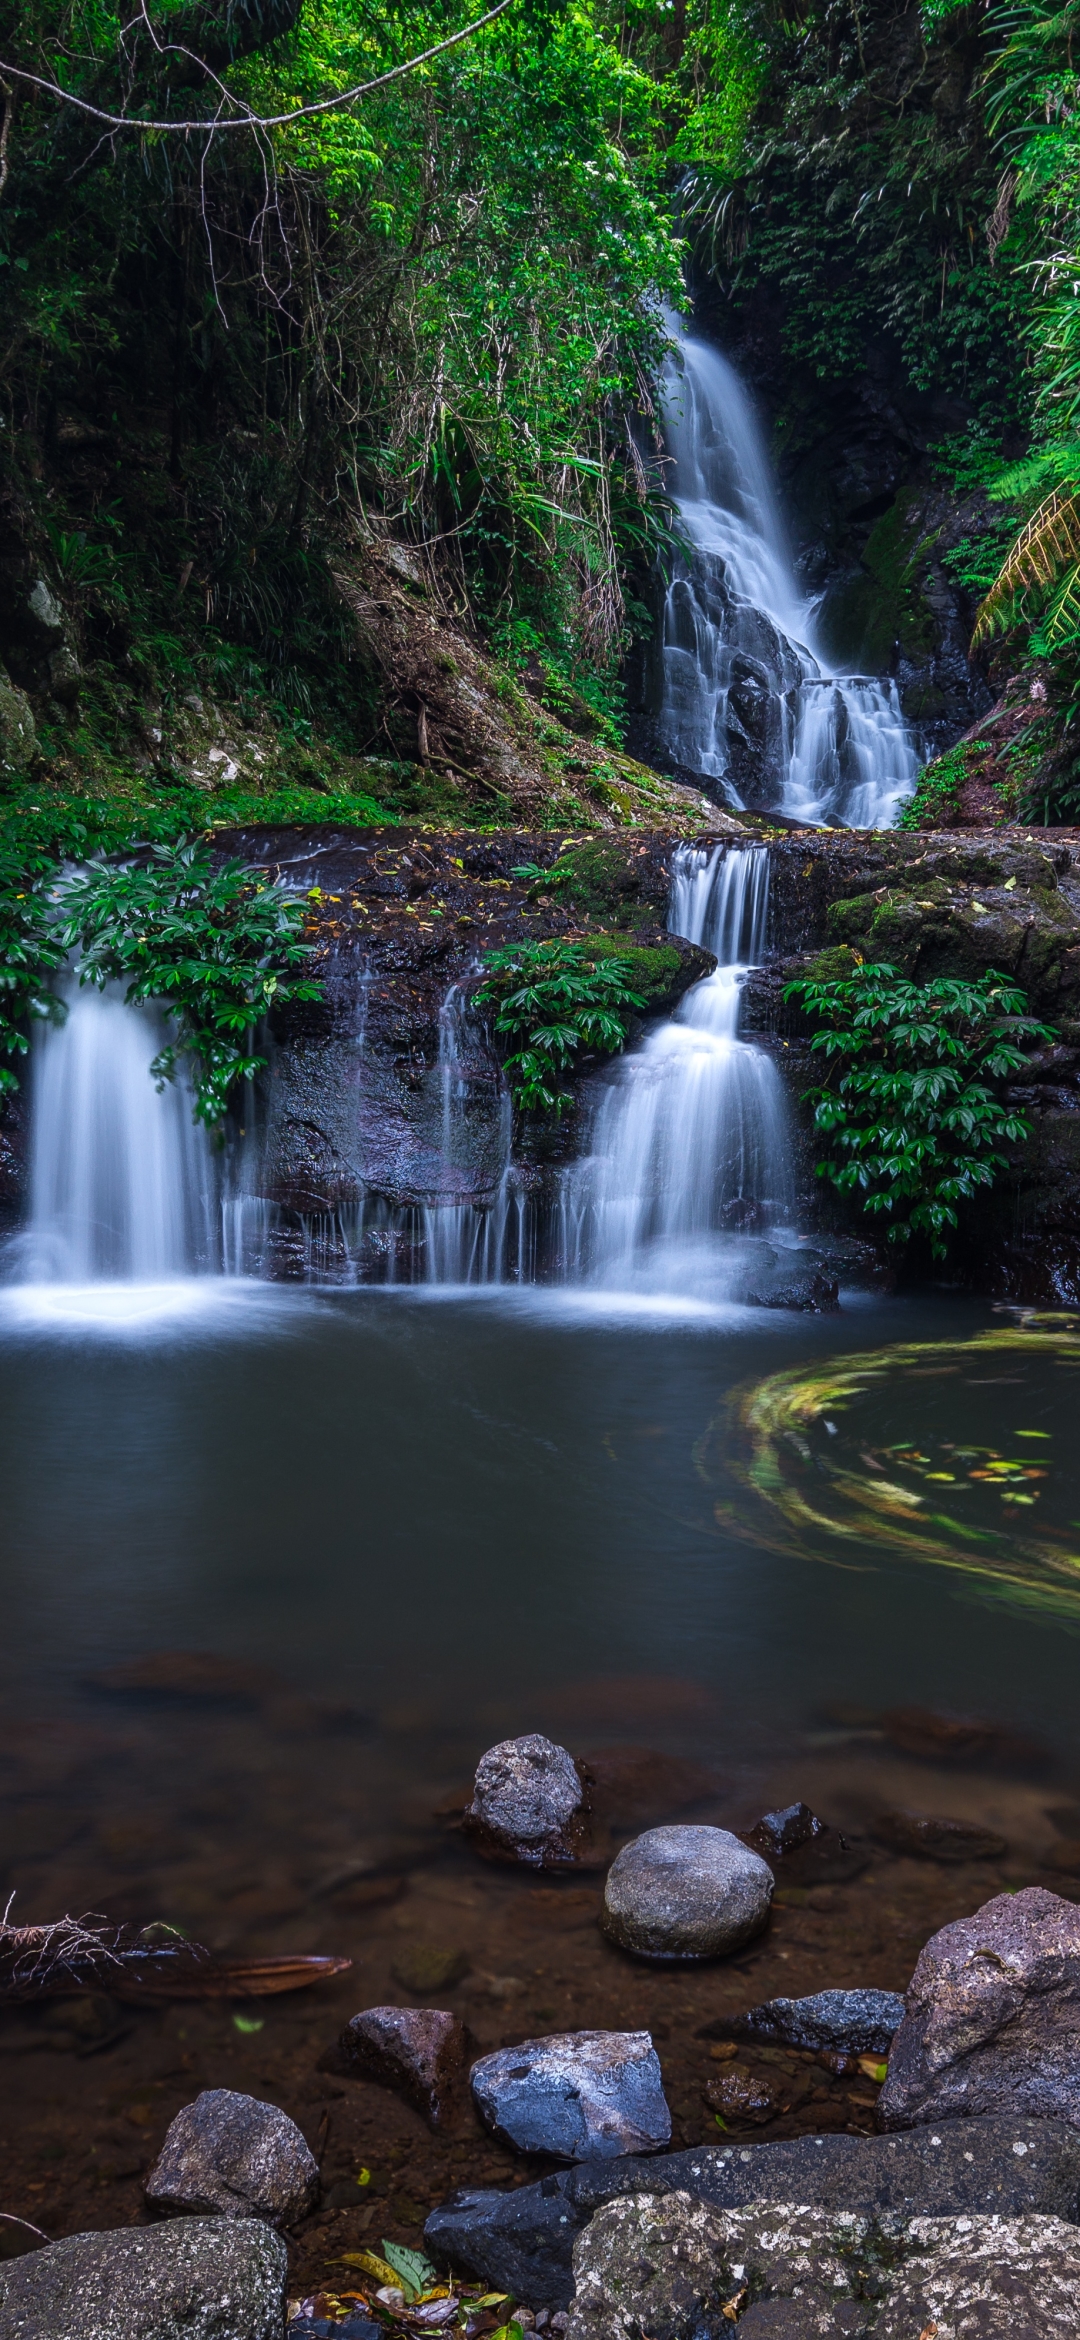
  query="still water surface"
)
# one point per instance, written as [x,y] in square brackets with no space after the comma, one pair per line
[458,1517]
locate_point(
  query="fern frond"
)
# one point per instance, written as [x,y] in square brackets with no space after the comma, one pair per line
[1062,621]
[1043,470]
[1049,542]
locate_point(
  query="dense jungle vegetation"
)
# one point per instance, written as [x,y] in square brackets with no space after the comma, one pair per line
[329,418]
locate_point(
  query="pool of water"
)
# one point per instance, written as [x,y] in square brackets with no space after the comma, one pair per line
[403,1525]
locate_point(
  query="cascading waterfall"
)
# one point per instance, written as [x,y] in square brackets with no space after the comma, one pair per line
[746,696]
[691,1138]
[121,1178]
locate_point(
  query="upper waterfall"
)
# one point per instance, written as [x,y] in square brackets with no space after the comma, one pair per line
[746,693]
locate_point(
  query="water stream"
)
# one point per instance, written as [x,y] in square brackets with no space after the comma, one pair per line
[121,1178]
[747,696]
[691,1140]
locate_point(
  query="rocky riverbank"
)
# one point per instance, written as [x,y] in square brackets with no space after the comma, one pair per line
[277,2158]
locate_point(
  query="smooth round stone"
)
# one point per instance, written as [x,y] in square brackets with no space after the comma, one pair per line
[686,1893]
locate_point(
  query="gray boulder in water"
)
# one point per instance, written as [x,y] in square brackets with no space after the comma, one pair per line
[529,1803]
[993,2017]
[686,1892]
[234,2155]
[852,2022]
[192,2279]
[578,2094]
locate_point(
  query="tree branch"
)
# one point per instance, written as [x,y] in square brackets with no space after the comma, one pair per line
[247,120]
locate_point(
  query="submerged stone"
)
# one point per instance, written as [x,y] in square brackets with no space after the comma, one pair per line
[576,2094]
[686,1892]
[933,1839]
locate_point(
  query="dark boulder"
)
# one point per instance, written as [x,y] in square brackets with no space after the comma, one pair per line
[235,2155]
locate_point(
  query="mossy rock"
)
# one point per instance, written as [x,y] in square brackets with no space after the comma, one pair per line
[659,972]
[601,878]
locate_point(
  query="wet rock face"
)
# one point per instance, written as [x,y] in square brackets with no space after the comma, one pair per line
[529,1803]
[686,1893]
[576,2094]
[355,1101]
[993,2017]
[852,2022]
[422,2052]
[194,2279]
[234,2155]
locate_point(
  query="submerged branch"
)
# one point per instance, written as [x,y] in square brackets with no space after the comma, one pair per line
[140,1963]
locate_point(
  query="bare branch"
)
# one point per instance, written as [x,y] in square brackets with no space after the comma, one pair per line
[248,120]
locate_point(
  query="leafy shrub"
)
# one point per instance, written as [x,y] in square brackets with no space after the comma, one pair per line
[30,952]
[914,1124]
[216,948]
[553,1001]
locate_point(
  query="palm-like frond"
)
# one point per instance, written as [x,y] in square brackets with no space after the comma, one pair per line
[1048,543]
[1062,620]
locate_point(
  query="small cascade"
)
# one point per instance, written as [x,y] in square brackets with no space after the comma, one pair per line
[121,1177]
[463,1242]
[691,1138]
[746,695]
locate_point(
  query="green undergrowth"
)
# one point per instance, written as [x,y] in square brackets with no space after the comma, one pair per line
[913,1114]
[214,944]
[552,1003]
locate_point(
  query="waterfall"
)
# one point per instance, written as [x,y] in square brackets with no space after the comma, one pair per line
[746,696]
[690,1139]
[120,1175]
[466,1243]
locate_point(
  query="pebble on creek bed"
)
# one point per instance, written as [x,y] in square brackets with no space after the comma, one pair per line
[686,1892]
[851,2022]
[232,2154]
[422,2052]
[529,1805]
[577,2094]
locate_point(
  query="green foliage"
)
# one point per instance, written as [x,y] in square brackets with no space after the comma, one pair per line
[216,948]
[30,951]
[434,310]
[935,794]
[914,1124]
[553,1000]
[853,203]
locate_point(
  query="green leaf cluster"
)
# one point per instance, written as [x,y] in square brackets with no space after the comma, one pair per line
[915,1119]
[554,1002]
[30,952]
[216,947]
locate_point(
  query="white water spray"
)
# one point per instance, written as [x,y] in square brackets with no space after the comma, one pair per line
[747,696]
[691,1137]
[120,1175]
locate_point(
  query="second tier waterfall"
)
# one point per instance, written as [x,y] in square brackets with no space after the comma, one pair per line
[745,694]
[691,1137]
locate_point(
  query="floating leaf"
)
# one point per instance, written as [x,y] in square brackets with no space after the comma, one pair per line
[249,2022]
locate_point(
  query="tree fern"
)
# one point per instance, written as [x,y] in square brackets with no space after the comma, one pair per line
[1047,544]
